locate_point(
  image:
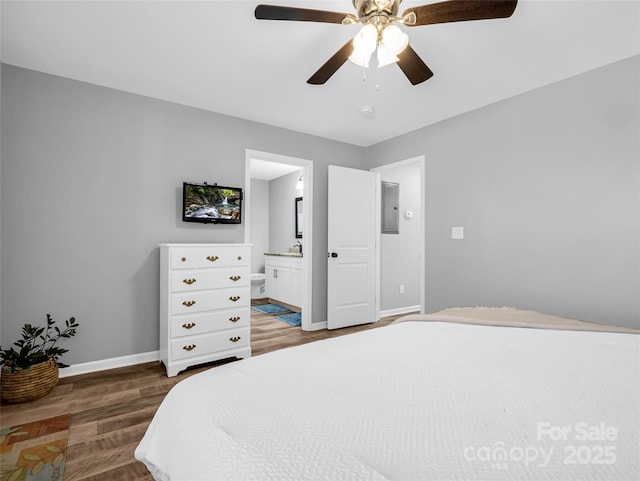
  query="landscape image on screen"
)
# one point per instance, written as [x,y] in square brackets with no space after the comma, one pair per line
[211,202]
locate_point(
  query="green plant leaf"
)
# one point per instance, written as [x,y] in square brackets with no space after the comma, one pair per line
[37,344]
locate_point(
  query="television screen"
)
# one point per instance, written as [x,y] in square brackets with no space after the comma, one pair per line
[211,203]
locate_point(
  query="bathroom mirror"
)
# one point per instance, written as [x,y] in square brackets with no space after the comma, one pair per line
[298,217]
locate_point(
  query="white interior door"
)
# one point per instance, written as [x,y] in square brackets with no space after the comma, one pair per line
[353,226]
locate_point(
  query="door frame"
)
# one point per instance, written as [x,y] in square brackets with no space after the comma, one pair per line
[307,220]
[421,161]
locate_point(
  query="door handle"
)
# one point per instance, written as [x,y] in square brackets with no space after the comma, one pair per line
[332,254]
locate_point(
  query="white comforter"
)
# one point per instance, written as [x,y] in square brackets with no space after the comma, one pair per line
[411,401]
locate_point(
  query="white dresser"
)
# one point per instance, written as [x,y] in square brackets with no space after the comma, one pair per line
[204,303]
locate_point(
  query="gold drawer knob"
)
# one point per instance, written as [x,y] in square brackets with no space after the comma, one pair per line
[239,258]
[184,259]
[212,258]
[188,303]
[189,347]
[235,338]
[188,281]
[189,325]
[234,298]
[235,278]
[234,318]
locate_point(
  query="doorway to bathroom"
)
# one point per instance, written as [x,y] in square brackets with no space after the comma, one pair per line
[278,200]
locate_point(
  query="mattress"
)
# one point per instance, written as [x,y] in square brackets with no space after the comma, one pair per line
[411,401]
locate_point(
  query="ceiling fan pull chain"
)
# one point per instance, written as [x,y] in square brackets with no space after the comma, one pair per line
[377,77]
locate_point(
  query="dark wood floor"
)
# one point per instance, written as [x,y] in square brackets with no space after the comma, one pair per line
[110,410]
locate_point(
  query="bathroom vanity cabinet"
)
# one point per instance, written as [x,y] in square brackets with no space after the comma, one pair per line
[204,303]
[284,281]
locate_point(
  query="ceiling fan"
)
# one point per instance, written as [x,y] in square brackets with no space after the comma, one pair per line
[379,33]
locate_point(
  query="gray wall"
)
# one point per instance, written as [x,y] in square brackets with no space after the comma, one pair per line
[400,253]
[259,230]
[91,183]
[546,185]
[282,222]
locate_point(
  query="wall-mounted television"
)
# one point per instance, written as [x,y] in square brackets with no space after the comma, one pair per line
[211,203]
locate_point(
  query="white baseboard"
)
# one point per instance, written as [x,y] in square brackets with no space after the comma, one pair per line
[124,361]
[316,326]
[113,363]
[399,310]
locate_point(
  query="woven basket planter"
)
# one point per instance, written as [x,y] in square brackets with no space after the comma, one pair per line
[24,385]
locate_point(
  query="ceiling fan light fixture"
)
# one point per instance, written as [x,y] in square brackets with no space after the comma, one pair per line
[378,33]
[385,56]
[394,39]
[364,43]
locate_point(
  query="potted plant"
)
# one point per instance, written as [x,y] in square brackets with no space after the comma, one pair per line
[30,368]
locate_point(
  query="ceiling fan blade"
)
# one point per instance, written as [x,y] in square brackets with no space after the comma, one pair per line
[332,65]
[413,67]
[460,11]
[275,12]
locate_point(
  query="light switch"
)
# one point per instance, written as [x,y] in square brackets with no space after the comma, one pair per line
[457,233]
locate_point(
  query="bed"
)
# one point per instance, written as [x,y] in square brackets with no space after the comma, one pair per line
[463,394]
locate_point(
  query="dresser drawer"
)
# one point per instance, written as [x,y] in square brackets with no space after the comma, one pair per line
[200,301]
[199,279]
[214,256]
[209,322]
[194,346]
[239,256]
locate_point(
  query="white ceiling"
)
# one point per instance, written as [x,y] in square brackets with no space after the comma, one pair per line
[215,55]
[266,170]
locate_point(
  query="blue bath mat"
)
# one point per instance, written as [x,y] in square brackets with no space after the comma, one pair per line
[294,319]
[269,308]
